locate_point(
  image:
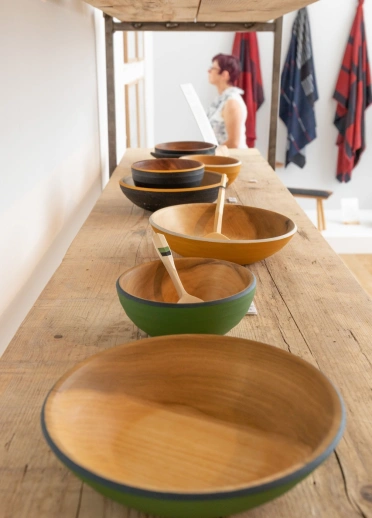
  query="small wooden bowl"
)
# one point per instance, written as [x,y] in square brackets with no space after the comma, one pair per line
[149,297]
[167,173]
[153,198]
[193,425]
[219,164]
[254,234]
[185,148]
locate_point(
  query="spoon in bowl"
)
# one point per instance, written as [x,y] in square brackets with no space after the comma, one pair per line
[165,254]
[217,224]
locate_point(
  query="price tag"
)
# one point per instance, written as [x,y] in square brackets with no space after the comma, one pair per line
[252,309]
[232,200]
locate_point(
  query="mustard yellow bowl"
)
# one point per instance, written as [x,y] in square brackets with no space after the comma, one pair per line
[254,234]
[219,164]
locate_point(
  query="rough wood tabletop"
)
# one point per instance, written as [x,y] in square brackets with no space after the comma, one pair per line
[307,301]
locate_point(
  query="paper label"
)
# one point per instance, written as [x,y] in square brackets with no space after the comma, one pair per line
[252,310]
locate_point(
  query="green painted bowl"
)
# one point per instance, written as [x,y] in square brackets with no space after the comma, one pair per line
[193,426]
[149,298]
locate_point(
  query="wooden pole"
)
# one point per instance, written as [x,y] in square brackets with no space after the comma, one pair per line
[275,92]
[110,82]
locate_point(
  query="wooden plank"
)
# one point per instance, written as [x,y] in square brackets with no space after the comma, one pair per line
[307,301]
[187,11]
[161,10]
[247,10]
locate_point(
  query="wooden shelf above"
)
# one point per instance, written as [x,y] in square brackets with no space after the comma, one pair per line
[196,10]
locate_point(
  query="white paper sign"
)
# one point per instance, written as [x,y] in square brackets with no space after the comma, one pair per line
[198,111]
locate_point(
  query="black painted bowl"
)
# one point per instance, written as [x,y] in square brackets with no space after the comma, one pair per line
[167,173]
[181,148]
[155,199]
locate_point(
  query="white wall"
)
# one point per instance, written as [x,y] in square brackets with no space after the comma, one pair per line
[49,142]
[185,57]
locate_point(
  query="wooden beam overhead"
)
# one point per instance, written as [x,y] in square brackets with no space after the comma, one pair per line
[247,10]
[190,10]
[148,10]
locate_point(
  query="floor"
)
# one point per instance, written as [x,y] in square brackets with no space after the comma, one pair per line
[345,238]
[361,267]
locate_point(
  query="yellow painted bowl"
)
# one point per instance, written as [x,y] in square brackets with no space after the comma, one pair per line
[219,164]
[253,233]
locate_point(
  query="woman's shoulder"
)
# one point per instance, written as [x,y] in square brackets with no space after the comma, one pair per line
[233,93]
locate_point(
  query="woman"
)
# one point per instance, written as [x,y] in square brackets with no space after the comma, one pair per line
[228,113]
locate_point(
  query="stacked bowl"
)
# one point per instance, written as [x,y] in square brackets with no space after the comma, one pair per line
[178,149]
[159,183]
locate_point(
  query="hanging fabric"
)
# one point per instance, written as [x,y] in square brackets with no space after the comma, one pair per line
[353,95]
[299,91]
[245,48]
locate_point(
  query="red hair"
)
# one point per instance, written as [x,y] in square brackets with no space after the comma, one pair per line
[229,63]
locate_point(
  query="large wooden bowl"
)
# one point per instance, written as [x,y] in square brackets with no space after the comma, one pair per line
[149,298]
[253,233]
[193,426]
[219,164]
[185,148]
[168,173]
[155,198]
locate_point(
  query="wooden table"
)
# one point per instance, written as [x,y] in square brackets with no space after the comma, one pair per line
[308,303]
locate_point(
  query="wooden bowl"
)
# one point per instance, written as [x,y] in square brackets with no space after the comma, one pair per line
[197,426]
[149,297]
[168,173]
[155,198]
[219,164]
[181,148]
[253,233]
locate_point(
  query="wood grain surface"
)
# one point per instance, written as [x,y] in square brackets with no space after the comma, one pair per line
[147,11]
[189,11]
[197,414]
[308,303]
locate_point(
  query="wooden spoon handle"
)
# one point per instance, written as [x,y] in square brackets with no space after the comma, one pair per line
[165,254]
[217,224]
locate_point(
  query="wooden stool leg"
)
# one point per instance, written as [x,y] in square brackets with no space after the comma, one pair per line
[319,213]
[323,216]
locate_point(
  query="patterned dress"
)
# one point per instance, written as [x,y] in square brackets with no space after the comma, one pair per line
[215,115]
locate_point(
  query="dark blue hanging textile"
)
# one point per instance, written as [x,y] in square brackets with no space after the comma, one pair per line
[299,91]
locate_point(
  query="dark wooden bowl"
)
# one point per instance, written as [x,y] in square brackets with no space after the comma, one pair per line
[167,173]
[149,297]
[155,199]
[193,426]
[253,233]
[181,148]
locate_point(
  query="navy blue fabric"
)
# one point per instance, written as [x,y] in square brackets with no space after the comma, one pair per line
[299,91]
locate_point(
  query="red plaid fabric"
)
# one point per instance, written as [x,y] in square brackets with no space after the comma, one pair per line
[245,48]
[353,95]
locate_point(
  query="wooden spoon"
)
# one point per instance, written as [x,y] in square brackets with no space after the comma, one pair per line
[217,224]
[165,254]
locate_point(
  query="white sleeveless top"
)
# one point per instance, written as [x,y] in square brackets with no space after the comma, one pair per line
[215,115]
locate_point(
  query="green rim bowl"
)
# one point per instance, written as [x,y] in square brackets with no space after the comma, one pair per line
[157,198]
[193,426]
[168,173]
[150,299]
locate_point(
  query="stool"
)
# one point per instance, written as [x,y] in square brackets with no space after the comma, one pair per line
[319,196]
